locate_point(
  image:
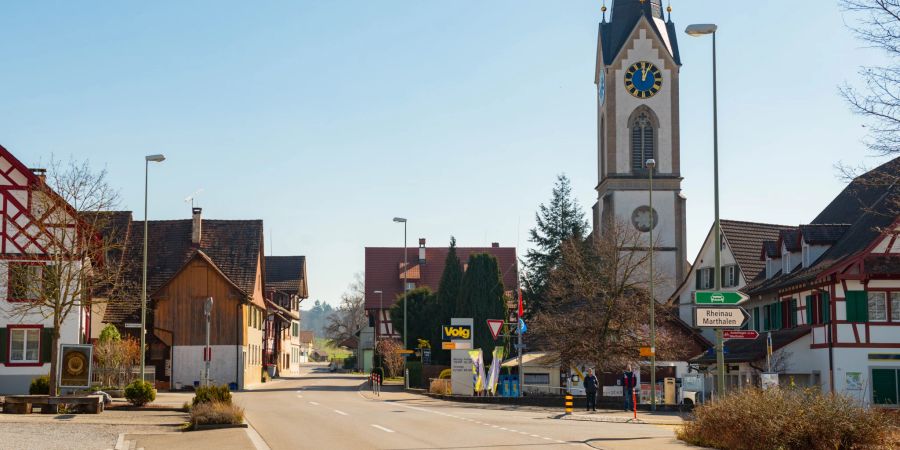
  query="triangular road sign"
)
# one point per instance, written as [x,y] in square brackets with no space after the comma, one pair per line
[495,325]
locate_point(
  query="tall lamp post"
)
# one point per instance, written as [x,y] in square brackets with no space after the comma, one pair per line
[378,319]
[147,160]
[651,164]
[701,30]
[405,284]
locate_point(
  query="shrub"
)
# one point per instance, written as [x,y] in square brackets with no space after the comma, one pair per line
[40,385]
[139,393]
[210,394]
[788,419]
[217,413]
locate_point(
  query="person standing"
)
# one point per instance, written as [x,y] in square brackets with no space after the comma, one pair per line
[628,384]
[590,389]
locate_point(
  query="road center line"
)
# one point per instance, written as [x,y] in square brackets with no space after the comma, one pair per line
[314,403]
[299,396]
[386,430]
[341,412]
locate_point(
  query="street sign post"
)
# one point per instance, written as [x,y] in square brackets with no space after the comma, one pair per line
[719,298]
[740,334]
[404,351]
[716,317]
[495,325]
[646,352]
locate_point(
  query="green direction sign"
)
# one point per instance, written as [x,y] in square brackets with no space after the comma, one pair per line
[719,298]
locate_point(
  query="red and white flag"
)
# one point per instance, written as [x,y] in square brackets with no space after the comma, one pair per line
[521,306]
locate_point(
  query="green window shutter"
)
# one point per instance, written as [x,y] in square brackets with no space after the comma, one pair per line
[779,316]
[4,345]
[792,309]
[884,386]
[809,309]
[697,279]
[756,319]
[46,345]
[826,307]
[857,306]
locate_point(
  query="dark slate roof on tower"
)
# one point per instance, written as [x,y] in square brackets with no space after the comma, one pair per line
[625,14]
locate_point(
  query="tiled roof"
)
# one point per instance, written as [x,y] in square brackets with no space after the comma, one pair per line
[751,350]
[770,249]
[307,337]
[823,234]
[232,245]
[863,192]
[745,240]
[382,269]
[287,274]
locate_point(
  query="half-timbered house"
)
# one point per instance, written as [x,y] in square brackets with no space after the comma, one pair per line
[286,287]
[32,225]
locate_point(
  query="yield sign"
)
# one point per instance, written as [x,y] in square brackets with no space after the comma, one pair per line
[495,325]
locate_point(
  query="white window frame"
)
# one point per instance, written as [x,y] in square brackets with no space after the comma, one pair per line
[895,306]
[874,298]
[25,341]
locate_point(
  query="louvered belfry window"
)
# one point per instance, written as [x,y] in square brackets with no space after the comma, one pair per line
[642,141]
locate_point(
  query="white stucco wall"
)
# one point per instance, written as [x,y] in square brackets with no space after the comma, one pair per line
[188,365]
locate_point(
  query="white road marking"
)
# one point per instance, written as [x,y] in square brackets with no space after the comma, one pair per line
[299,396]
[386,430]
[341,412]
[547,439]
[314,403]
[534,435]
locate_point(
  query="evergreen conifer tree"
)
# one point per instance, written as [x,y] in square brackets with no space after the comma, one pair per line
[447,298]
[481,298]
[557,222]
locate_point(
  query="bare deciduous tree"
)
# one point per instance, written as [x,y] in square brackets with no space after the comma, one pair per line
[389,349]
[598,303]
[877,23]
[351,315]
[81,250]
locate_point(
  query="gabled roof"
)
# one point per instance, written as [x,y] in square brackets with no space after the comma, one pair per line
[745,238]
[822,234]
[307,337]
[752,350]
[790,239]
[287,274]
[624,16]
[233,246]
[863,192]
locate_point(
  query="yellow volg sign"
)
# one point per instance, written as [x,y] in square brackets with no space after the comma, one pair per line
[449,332]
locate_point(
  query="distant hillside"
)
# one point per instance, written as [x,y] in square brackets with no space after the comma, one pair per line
[316,318]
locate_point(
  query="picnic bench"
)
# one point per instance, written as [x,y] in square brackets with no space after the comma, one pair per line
[24,404]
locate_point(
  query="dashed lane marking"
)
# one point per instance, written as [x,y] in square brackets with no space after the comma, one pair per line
[386,430]
[341,412]
[314,403]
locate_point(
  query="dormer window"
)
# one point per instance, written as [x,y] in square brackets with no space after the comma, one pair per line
[785,263]
[804,253]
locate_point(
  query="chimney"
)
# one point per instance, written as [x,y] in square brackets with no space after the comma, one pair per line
[196,226]
[421,250]
[41,174]
[495,245]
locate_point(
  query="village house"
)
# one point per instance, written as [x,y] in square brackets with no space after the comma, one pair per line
[33,221]
[828,293]
[286,287]
[189,261]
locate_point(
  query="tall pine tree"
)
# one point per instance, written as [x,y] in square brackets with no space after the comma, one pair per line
[557,222]
[481,298]
[447,298]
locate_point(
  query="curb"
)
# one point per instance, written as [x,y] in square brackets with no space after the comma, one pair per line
[613,419]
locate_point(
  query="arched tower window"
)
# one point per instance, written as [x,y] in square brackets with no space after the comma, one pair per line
[643,138]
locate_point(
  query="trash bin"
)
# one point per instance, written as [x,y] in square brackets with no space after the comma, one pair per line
[669,391]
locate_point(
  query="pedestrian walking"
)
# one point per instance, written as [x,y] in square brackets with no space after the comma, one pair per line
[590,389]
[629,381]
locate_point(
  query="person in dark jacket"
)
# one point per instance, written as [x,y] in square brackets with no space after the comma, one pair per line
[590,389]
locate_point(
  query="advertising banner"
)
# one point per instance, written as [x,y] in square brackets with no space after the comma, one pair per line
[75,366]
[461,380]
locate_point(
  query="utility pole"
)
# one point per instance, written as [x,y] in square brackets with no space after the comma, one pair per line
[651,164]
[207,353]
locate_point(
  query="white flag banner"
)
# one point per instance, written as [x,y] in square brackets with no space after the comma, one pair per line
[494,373]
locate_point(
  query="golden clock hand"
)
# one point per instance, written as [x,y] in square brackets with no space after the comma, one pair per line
[644,73]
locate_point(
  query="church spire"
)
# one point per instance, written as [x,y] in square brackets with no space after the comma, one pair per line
[603,9]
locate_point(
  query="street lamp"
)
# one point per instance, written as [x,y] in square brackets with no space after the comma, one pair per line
[207,352]
[651,164]
[405,273]
[147,160]
[702,30]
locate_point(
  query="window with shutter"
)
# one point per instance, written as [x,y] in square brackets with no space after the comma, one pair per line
[777,324]
[642,140]
[46,345]
[792,310]
[857,306]
[809,309]
[756,319]
[4,346]
[826,307]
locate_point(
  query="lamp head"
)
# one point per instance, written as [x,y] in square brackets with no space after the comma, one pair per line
[700,29]
[651,163]
[155,158]
[399,220]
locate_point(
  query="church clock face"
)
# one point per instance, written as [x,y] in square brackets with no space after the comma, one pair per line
[643,79]
[644,218]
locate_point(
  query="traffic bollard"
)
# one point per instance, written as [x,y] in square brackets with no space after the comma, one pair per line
[634,402]
[569,401]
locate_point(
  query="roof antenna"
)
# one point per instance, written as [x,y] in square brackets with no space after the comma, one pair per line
[603,9]
[190,198]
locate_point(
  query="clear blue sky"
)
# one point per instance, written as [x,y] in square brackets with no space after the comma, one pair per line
[328,118]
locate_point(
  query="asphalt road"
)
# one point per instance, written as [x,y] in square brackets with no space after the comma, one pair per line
[321,410]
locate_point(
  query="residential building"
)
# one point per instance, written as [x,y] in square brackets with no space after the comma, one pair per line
[307,343]
[33,216]
[828,293]
[286,287]
[189,261]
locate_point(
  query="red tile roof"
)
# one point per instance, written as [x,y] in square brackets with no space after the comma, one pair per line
[383,266]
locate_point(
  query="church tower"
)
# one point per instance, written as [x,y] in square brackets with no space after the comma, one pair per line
[637,119]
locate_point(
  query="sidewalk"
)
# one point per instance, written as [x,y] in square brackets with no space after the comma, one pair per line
[619,416]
